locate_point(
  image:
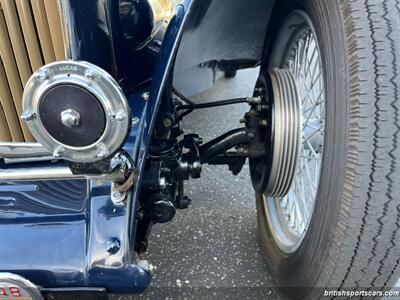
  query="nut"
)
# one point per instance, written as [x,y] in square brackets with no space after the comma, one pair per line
[41,75]
[70,118]
[58,152]
[167,123]
[28,116]
[146,96]
[135,121]
[113,246]
[103,151]
[120,115]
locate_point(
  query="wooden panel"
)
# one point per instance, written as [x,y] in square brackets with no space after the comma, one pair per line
[28,29]
[30,36]
[17,41]
[4,130]
[53,18]
[7,103]
[43,29]
[12,74]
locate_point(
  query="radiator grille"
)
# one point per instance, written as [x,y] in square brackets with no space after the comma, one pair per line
[30,36]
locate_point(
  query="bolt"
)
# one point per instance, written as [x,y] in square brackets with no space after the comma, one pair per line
[251,135]
[90,73]
[58,151]
[118,160]
[254,100]
[163,183]
[99,181]
[103,153]
[116,195]
[264,123]
[120,115]
[70,118]
[135,121]
[41,75]
[242,151]
[113,246]
[259,90]
[146,96]
[195,169]
[167,123]
[28,116]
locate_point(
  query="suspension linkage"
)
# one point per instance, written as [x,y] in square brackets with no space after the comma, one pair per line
[249,100]
[223,143]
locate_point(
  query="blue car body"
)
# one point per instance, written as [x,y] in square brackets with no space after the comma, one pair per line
[57,233]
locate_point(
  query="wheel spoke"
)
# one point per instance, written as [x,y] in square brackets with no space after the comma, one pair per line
[305,64]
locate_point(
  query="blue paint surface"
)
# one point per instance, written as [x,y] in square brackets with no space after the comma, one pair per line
[55,233]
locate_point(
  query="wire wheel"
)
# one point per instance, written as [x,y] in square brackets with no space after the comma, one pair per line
[299,114]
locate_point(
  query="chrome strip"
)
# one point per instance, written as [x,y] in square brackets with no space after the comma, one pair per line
[68,30]
[54,173]
[10,150]
[33,174]
[13,153]
[27,160]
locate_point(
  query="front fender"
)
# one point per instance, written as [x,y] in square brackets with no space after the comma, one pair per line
[60,234]
[218,36]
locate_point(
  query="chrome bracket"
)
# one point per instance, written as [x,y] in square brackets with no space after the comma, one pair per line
[14,153]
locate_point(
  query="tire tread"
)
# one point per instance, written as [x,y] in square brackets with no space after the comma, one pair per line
[369,222]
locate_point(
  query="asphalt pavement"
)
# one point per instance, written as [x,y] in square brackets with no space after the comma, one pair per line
[211,249]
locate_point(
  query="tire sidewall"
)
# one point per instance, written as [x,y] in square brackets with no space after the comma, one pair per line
[304,267]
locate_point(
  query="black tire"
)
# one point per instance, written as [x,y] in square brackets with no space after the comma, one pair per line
[354,239]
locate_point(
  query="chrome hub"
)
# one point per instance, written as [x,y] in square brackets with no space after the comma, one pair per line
[287,132]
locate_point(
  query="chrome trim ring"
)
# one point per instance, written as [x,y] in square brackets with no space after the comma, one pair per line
[287,133]
[96,81]
[17,287]
[297,52]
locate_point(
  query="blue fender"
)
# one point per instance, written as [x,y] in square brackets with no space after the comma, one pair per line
[58,234]
[70,234]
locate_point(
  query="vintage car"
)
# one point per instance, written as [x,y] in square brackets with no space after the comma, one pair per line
[92,153]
